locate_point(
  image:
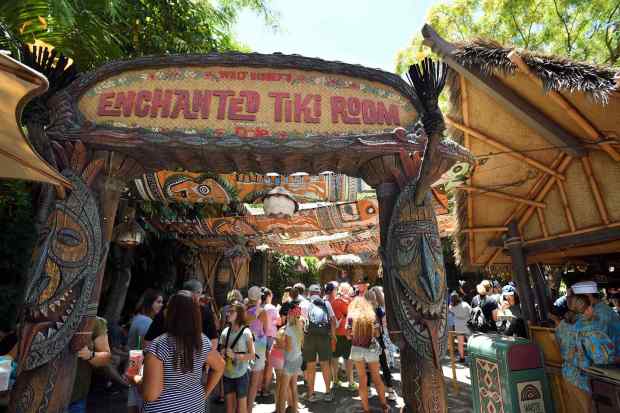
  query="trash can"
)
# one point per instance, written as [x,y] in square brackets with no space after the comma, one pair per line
[507,375]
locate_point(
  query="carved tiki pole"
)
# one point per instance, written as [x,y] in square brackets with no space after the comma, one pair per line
[63,286]
[414,272]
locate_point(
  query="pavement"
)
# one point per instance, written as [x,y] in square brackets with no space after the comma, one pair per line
[459,400]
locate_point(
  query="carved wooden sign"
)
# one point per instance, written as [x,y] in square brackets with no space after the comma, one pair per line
[238,112]
[245,102]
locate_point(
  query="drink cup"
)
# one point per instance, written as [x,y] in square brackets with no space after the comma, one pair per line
[5,373]
[136,358]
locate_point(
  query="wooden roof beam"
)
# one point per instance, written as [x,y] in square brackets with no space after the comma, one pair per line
[587,236]
[509,151]
[501,195]
[506,97]
[571,110]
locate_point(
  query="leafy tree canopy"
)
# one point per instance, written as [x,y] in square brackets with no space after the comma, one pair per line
[584,30]
[95,31]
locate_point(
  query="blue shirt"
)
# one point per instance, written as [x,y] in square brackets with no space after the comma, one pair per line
[582,345]
[609,322]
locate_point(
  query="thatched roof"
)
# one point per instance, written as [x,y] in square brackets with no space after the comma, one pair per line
[533,121]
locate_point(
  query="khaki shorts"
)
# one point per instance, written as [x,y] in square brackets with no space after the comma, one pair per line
[317,346]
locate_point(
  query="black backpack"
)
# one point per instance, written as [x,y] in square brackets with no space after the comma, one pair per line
[318,318]
[477,322]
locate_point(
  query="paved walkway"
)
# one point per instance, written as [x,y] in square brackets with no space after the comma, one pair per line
[345,402]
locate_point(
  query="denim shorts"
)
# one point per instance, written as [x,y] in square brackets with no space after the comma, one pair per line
[368,355]
[292,367]
[240,385]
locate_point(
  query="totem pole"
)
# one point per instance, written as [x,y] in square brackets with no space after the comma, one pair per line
[415,277]
[64,281]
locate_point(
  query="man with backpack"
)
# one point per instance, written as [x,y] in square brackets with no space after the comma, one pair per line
[319,332]
[484,314]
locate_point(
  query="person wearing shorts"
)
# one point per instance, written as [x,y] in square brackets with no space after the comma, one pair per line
[317,343]
[340,305]
[237,348]
[363,329]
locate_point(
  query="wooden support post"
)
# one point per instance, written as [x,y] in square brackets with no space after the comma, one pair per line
[471,240]
[569,109]
[514,245]
[600,203]
[451,336]
[501,195]
[567,210]
[543,222]
[540,284]
[502,147]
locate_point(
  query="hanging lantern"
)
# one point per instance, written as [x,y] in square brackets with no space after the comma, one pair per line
[129,233]
[279,203]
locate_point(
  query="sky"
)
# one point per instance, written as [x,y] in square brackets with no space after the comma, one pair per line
[366,32]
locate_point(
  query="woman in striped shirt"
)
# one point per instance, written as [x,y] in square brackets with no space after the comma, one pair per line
[176,361]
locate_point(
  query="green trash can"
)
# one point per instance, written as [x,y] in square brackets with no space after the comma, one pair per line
[507,375]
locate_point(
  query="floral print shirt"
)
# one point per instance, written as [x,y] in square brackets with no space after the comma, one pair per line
[609,322]
[583,345]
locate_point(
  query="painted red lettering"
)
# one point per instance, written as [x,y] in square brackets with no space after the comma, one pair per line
[387,116]
[354,107]
[104,107]
[161,100]
[277,106]
[369,112]
[339,110]
[125,101]
[202,103]
[221,107]
[142,106]
[181,103]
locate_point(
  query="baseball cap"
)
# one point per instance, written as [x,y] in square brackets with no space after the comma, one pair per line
[314,289]
[254,293]
[508,290]
[330,286]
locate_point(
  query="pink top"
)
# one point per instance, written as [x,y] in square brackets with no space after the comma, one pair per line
[256,326]
[272,317]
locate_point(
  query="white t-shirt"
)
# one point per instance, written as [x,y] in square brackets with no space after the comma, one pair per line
[461,313]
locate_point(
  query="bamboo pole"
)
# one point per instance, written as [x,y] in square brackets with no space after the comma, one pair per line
[466,140]
[531,193]
[569,109]
[501,195]
[543,193]
[542,222]
[576,232]
[510,151]
[567,211]
[600,203]
[484,229]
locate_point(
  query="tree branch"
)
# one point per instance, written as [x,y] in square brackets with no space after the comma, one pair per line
[569,43]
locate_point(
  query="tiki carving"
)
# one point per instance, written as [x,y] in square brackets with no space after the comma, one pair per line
[58,301]
[415,277]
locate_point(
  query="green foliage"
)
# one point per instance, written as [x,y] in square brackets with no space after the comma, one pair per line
[95,31]
[284,272]
[17,239]
[584,30]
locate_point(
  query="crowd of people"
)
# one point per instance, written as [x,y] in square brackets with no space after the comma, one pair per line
[494,309]
[182,355]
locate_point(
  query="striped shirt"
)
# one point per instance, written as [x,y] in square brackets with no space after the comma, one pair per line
[183,392]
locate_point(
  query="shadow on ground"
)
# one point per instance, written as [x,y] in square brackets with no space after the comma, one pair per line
[105,401]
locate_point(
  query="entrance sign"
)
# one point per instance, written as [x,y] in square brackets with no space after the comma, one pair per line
[245,102]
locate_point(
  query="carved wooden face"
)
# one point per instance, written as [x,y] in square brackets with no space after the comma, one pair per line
[417,278]
[66,261]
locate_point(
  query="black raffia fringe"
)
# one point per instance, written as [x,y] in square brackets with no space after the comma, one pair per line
[556,73]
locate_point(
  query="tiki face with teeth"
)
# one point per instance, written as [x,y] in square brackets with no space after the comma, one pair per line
[417,279]
[66,261]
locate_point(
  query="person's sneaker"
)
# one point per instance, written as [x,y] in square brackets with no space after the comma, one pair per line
[314,398]
[353,386]
[337,383]
[329,396]
[391,395]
